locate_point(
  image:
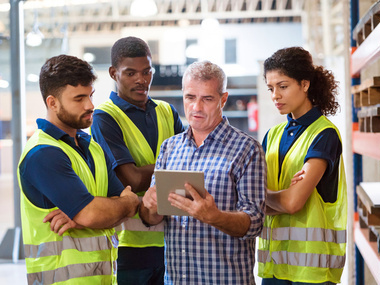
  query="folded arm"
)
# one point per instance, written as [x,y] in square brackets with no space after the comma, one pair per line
[100,213]
[293,199]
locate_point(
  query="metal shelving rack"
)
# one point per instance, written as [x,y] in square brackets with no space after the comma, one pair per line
[366,144]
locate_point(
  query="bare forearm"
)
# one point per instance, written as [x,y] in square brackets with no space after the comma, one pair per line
[106,212]
[293,199]
[271,212]
[276,201]
[235,224]
[137,177]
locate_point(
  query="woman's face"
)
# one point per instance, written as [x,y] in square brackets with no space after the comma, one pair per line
[287,94]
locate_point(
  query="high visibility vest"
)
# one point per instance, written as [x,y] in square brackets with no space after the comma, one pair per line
[79,256]
[308,246]
[133,233]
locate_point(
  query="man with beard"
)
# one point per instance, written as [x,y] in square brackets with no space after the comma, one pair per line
[130,127]
[66,179]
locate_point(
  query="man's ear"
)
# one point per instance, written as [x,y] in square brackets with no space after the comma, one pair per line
[224,99]
[52,103]
[112,71]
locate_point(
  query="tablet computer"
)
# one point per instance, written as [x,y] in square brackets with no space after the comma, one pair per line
[168,181]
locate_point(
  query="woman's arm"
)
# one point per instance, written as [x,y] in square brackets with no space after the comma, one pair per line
[293,199]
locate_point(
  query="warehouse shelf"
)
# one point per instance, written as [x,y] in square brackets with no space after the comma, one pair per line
[368,250]
[366,144]
[366,53]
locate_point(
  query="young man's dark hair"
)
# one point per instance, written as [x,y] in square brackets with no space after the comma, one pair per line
[62,70]
[128,47]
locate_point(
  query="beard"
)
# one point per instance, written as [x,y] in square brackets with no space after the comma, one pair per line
[72,121]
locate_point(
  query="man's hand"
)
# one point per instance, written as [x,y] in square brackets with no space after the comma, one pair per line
[297,177]
[203,209]
[134,199]
[233,223]
[150,200]
[60,222]
[148,208]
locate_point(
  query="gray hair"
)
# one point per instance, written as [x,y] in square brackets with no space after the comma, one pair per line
[204,71]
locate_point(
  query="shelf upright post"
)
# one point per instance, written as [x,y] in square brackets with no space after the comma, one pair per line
[357,158]
[11,247]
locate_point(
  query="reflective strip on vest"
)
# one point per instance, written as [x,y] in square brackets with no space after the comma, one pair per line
[308,246]
[305,234]
[135,224]
[302,259]
[138,226]
[68,242]
[71,271]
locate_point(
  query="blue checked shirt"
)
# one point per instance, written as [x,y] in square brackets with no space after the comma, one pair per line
[235,175]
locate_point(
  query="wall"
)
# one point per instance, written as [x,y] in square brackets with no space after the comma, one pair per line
[254,42]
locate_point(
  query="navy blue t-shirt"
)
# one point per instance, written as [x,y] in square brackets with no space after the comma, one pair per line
[108,134]
[326,145]
[48,179]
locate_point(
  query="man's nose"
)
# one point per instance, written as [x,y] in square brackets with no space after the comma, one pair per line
[140,78]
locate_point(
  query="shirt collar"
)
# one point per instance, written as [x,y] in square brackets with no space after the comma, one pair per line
[124,105]
[57,133]
[220,133]
[305,120]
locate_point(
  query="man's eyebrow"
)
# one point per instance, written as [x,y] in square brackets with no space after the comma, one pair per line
[84,95]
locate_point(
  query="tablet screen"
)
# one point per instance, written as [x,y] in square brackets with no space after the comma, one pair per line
[168,181]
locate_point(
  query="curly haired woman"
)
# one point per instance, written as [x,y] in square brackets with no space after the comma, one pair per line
[304,235]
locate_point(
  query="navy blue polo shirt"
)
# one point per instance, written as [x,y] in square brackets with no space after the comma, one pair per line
[108,134]
[48,179]
[326,146]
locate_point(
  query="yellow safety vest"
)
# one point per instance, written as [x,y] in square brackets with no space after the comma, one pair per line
[308,246]
[133,233]
[85,256]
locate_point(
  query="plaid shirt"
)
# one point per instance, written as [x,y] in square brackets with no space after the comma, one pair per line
[235,175]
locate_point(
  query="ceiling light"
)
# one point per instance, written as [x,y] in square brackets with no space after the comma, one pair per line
[210,23]
[89,57]
[143,8]
[35,37]
[32,77]
[193,51]
[4,83]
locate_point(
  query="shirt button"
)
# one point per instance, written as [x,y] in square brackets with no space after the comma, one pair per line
[183,251]
[291,134]
[294,124]
[183,276]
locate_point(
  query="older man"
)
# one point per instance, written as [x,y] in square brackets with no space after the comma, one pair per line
[216,243]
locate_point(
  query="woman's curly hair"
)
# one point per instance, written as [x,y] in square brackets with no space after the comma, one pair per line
[297,63]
